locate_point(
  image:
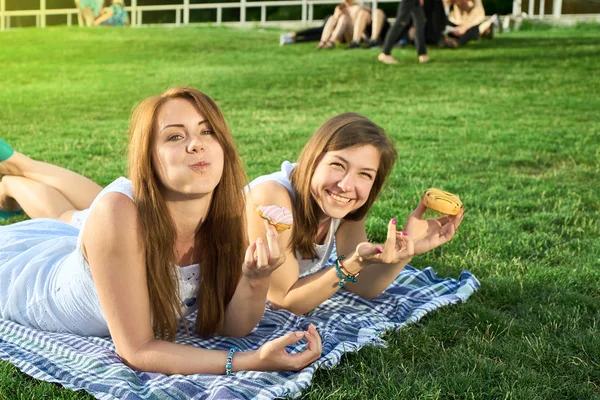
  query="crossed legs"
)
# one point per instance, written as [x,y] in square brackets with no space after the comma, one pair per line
[44,190]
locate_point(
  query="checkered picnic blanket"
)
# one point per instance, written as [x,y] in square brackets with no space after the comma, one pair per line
[345,322]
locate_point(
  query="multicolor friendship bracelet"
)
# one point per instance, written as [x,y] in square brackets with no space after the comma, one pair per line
[229,360]
[343,273]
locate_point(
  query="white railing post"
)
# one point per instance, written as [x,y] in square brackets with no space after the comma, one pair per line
[373,8]
[516,8]
[542,9]
[531,8]
[178,17]
[311,12]
[43,13]
[2,17]
[219,15]
[243,11]
[263,14]
[304,11]
[69,20]
[133,12]
[186,12]
[557,9]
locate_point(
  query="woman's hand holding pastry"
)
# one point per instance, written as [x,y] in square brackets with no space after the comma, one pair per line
[263,258]
[272,356]
[431,233]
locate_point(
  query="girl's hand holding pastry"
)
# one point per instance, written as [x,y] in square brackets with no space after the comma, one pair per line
[263,258]
[431,233]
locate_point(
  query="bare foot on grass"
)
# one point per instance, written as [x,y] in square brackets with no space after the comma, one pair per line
[386,59]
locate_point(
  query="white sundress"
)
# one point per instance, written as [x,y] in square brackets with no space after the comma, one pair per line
[46,283]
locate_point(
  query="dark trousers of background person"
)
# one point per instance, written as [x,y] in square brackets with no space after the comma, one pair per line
[435,21]
[408,9]
[311,34]
[471,34]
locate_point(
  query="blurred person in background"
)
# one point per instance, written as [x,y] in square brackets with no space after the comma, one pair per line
[113,14]
[88,11]
[467,22]
[349,23]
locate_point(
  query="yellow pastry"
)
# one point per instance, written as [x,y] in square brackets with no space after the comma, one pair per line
[442,202]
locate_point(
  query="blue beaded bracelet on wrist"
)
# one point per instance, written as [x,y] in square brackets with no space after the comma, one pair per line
[341,274]
[229,360]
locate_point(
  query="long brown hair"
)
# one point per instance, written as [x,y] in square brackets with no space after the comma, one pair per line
[340,132]
[221,238]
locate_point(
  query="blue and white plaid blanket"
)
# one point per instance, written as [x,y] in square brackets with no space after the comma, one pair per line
[345,322]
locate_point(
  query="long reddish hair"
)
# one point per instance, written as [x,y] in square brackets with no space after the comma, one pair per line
[222,248]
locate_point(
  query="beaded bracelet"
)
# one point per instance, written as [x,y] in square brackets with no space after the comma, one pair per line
[344,270]
[342,273]
[229,360]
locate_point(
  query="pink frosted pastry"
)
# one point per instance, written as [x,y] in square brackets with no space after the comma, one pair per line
[280,217]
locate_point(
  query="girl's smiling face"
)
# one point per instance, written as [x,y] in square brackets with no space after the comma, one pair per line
[343,179]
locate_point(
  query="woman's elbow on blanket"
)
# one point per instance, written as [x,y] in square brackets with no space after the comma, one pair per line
[236,332]
[146,358]
[298,309]
[370,296]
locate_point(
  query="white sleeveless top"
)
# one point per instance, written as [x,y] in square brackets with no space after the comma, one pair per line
[46,283]
[324,251]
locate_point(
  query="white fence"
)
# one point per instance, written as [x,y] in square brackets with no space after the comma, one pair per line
[182,11]
[556,9]
[536,9]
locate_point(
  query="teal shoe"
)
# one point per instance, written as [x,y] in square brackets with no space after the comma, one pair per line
[4,215]
[5,150]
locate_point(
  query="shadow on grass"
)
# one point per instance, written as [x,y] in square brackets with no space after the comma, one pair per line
[533,43]
[531,57]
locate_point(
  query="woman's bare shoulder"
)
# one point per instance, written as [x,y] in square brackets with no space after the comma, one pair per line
[113,221]
[270,193]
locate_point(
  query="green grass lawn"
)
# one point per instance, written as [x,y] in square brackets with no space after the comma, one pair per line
[511,125]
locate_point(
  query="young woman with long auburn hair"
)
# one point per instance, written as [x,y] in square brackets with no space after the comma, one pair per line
[149,250]
[339,174]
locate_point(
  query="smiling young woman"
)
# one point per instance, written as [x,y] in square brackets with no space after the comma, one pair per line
[339,175]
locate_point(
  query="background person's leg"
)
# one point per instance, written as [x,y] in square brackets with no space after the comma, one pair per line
[400,25]
[329,28]
[471,34]
[79,16]
[309,35]
[377,25]
[362,20]
[486,26]
[419,23]
[88,16]
[343,30]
